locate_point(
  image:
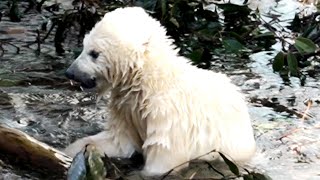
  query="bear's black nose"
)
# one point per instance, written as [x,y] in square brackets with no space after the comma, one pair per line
[69,74]
[89,83]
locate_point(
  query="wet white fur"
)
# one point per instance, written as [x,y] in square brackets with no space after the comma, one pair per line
[160,105]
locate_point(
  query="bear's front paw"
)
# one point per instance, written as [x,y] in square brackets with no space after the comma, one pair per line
[76,147]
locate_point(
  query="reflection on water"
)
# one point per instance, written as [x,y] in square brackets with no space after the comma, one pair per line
[37,99]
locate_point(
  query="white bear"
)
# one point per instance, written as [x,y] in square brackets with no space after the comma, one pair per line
[160,105]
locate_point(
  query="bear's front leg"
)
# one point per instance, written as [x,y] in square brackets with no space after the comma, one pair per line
[160,160]
[106,142]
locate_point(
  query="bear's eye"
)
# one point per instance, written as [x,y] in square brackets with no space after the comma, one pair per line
[94,54]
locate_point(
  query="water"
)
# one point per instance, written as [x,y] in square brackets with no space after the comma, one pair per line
[36,98]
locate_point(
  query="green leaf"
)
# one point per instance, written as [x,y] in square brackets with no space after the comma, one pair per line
[97,170]
[229,7]
[292,64]
[174,22]
[278,62]
[196,55]
[233,168]
[163,8]
[209,30]
[310,31]
[265,35]
[232,45]
[248,177]
[304,45]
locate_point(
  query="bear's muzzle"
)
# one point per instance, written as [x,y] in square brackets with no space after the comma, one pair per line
[85,79]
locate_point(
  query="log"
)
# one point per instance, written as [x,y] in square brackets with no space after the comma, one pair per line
[23,151]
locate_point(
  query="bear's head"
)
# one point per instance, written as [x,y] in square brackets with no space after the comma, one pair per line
[114,51]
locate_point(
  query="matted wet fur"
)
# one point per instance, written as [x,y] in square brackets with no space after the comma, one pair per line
[160,105]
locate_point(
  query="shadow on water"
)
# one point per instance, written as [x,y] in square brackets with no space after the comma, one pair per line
[36,98]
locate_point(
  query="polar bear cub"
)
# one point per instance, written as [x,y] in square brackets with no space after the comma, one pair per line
[160,105]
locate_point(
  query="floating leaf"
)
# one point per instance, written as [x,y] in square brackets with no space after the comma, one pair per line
[233,168]
[278,62]
[10,83]
[8,79]
[292,64]
[304,45]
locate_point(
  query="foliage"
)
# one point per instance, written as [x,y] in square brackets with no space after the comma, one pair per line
[233,168]
[305,47]
[203,34]
[80,18]
[234,30]
[200,33]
